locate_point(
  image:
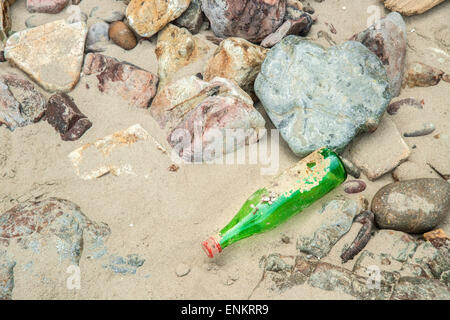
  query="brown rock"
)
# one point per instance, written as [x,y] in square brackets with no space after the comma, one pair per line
[236,59]
[252,20]
[63,114]
[437,237]
[422,75]
[134,85]
[122,35]
[147,17]
[411,7]
[5,20]
[46,6]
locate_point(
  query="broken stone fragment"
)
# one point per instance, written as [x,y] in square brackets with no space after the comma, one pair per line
[413,206]
[63,114]
[418,288]
[177,48]
[5,20]
[236,59]
[192,18]
[300,26]
[103,155]
[437,237]
[391,150]
[337,216]
[252,20]
[387,39]
[207,112]
[46,6]
[20,103]
[421,75]
[147,17]
[134,85]
[42,53]
[411,7]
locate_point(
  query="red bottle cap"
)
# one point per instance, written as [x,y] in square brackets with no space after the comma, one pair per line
[211,247]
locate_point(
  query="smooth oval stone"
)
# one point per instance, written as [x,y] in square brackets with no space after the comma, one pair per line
[322,97]
[413,206]
[122,35]
[354,186]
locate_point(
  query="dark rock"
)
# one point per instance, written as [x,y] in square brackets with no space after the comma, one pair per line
[366,218]
[63,114]
[134,85]
[413,206]
[388,42]
[300,27]
[192,18]
[20,103]
[351,168]
[325,99]
[252,20]
[395,106]
[354,186]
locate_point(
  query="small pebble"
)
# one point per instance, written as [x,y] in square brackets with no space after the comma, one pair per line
[427,129]
[121,34]
[354,186]
[285,239]
[351,168]
[182,270]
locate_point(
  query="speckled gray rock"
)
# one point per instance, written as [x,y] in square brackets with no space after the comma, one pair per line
[338,216]
[437,260]
[413,206]
[387,39]
[417,288]
[192,18]
[401,246]
[97,34]
[6,276]
[319,97]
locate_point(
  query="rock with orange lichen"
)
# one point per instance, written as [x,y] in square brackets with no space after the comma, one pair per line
[176,49]
[437,237]
[236,59]
[132,84]
[147,17]
[51,54]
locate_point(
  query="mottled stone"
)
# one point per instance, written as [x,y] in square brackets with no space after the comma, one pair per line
[294,10]
[43,54]
[354,186]
[193,108]
[63,114]
[134,85]
[338,218]
[20,103]
[413,206]
[274,263]
[33,224]
[417,288]
[46,6]
[122,35]
[437,237]
[97,34]
[252,20]
[379,152]
[387,39]
[121,265]
[177,48]
[103,154]
[192,18]
[5,20]
[236,59]
[6,276]
[421,75]
[300,26]
[399,245]
[436,259]
[147,17]
[411,7]
[325,99]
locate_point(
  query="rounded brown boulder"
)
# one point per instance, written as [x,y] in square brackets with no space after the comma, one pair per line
[122,35]
[413,206]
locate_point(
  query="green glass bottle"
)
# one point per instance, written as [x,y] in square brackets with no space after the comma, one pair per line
[291,192]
